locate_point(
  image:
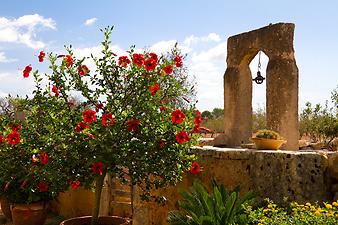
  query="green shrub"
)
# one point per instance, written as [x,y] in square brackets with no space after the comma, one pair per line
[199,207]
[215,120]
[319,123]
[259,120]
[216,125]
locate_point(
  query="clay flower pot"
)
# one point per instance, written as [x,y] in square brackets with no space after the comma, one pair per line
[103,220]
[29,214]
[267,144]
[5,208]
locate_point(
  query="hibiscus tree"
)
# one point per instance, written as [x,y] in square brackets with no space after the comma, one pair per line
[134,123]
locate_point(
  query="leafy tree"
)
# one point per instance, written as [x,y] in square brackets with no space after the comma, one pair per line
[320,123]
[259,120]
[217,113]
[207,114]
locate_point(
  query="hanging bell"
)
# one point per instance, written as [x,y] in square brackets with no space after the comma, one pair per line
[259,79]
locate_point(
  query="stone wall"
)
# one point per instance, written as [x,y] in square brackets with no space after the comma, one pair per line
[299,175]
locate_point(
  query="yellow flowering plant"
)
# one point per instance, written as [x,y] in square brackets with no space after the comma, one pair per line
[294,213]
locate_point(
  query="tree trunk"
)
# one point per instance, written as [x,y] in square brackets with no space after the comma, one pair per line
[98,189]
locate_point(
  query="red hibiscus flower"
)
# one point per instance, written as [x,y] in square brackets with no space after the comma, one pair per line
[69,60]
[197,129]
[182,137]
[108,119]
[41,56]
[99,106]
[26,71]
[177,116]
[44,158]
[178,60]
[163,108]
[42,186]
[195,168]
[150,64]
[55,90]
[138,59]
[162,143]
[153,56]
[168,69]
[89,116]
[198,118]
[13,138]
[124,61]
[75,184]
[154,88]
[2,139]
[15,128]
[132,125]
[83,70]
[97,168]
[24,183]
[81,126]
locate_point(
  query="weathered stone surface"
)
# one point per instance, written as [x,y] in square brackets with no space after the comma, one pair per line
[333,167]
[276,41]
[205,141]
[300,176]
[302,144]
[335,198]
[220,141]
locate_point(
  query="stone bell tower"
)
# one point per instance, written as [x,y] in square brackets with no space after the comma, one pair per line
[276,41]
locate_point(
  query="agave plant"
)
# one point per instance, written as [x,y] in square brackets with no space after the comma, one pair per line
[219,207]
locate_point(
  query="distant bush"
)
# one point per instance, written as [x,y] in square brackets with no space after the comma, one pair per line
[215,120]
[259,119]
[320,123]
[216,125]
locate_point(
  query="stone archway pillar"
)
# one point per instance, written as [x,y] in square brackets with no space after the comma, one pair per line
[237,105]
[282,99]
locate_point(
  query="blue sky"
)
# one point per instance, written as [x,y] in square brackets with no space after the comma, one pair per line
[200,27]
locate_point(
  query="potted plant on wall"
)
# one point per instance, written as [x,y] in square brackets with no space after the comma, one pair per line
[267,140]
[134,122]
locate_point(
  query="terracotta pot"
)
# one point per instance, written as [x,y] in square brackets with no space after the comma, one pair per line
[5,208]
[268,144]
[103,220]
[29,214]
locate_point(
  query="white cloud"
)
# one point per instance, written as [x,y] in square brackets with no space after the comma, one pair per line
[215,53]
[191,40]
[4,59]
[24,30]
[12,82]
[206,66]
[90,21]
[163,46]
[96,51]
[209,78]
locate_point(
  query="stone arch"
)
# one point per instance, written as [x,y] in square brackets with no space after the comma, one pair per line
[276,41]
